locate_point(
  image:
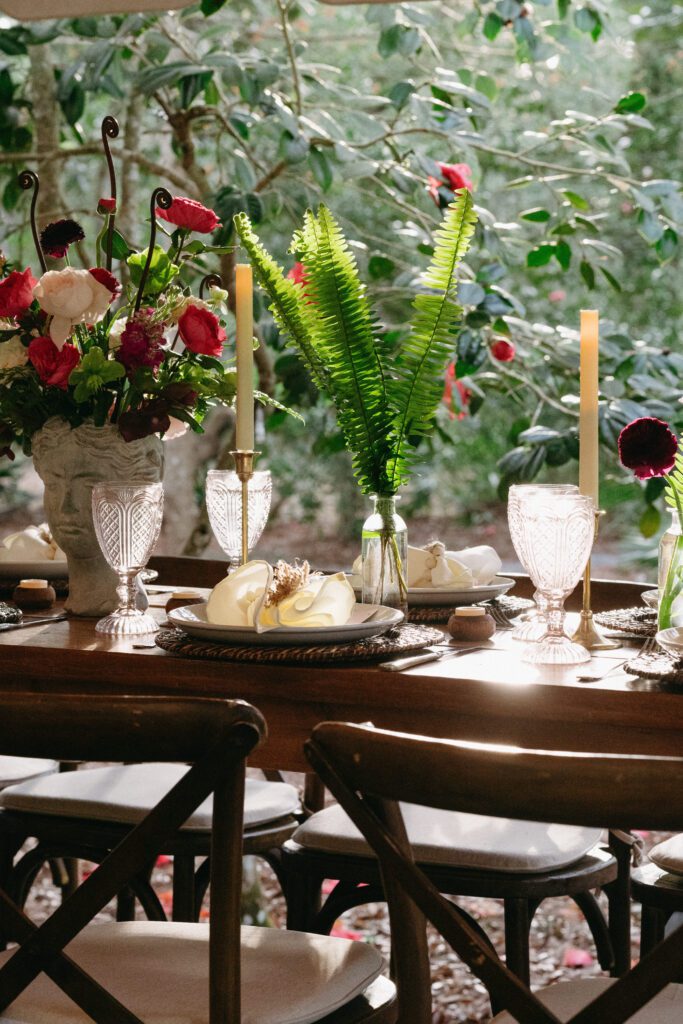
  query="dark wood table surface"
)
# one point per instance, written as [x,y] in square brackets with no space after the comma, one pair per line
[487,696]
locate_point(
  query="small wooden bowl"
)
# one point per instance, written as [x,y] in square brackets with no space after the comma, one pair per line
[471,624]
[31,595]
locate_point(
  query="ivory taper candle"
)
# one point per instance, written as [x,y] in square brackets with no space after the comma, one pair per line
[244,314]
[588,417]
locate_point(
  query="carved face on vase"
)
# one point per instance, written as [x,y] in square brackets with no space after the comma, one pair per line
[70,461]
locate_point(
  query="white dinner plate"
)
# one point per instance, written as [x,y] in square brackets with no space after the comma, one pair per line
[423,596]
[47,570]
[192,619]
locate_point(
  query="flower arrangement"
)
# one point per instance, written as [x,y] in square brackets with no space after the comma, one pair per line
[649,448]
[137,349]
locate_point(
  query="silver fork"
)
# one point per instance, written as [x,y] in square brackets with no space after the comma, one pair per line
[648,647]
[499,617]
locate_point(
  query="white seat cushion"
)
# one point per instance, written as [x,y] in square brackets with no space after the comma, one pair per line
[566,998]
[160,972]
[126,793]
[459,840]
[16,769]
[669,855]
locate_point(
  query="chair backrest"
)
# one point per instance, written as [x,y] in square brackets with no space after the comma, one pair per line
[182,571]
[359,766]
[215,737]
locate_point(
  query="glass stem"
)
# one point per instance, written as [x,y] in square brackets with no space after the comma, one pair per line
[554,612]
[673,584]
[126,592]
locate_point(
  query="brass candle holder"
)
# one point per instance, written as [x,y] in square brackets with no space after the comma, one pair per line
[587,634]
[244,467]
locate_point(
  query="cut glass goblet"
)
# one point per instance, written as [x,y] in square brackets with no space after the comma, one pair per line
[224,505]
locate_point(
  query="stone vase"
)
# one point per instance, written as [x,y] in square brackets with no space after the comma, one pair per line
[70,461]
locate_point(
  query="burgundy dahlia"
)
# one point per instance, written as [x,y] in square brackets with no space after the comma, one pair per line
[56,238]
[648,447]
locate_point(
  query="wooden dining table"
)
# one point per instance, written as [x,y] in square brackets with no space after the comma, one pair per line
[490,695]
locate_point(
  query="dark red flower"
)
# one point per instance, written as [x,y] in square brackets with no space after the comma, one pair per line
[151,418]
[190,215]
[141,342]
[180,393]
[435,188]
[107,279]
[16,293]
[56,238]
[201,331]
[503,350]
[106,206]
[456,176]
[648,447]
[53,365]
[456,397]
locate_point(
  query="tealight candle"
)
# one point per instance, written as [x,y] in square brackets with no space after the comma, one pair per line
[471,623]
[34,593]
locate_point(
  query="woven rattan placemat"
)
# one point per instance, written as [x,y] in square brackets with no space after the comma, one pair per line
[657,665]
[401,639]
[440,614]
[638,621]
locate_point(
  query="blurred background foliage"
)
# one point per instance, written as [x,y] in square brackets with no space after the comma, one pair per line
[569,117]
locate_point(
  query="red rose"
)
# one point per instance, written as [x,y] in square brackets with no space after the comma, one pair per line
[456,175]
[16,293]
[297,273]
[503,350]
[106,206]
[107,279]
[53,365]
[190,215]
[201,331]
[648,447]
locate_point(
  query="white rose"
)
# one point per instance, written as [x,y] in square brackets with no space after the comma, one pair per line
[13,353]
[71,297]
[117,329]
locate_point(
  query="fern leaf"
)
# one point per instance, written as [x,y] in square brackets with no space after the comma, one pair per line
[418,385]
[286,302]
[342,329]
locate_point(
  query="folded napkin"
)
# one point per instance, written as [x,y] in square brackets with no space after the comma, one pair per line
[433,566]
[265,597]
[34,544]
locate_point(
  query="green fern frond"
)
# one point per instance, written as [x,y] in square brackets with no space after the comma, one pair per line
[418,386]
[342,330]
[285,299]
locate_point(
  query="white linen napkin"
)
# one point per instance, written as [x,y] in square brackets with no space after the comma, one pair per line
[34,544]
[434,566]
[250,596]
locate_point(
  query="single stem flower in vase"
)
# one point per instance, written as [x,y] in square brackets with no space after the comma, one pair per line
[649,448]
[385,393]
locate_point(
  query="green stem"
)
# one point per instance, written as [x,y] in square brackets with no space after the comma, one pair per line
[674,581]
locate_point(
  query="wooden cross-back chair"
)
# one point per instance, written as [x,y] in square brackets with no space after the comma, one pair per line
[124,973]
[358,764]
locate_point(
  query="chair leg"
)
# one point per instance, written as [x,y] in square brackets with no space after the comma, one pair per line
[618,894]
[125,905]
[183,888]
[652,925]
[303,896]
[9,847]
[588,905]
[517,922]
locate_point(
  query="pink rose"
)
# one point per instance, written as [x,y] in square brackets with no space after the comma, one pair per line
[16,293]
[71,297]
[53,365]
[201,331]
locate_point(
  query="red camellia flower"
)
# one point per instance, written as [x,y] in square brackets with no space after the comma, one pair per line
[190,215]
[16,293]
[201,331]
[53,365]
[503,350]
[648,447]
[107,279]
[297,273]
[456,175]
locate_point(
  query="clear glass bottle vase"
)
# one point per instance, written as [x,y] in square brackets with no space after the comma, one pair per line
[384,554]
[670,574]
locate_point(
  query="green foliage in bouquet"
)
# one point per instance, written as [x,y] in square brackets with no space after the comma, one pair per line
[385,399]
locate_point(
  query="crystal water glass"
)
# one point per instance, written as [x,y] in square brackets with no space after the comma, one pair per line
[127,519]
[534,624]
[224,505]
[556,533]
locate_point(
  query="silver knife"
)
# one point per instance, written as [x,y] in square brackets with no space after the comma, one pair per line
[400,664]
[5,626]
